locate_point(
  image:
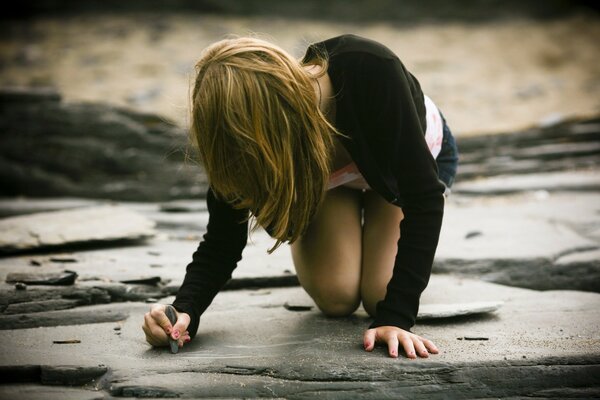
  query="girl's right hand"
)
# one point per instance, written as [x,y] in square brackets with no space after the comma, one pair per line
[158,328]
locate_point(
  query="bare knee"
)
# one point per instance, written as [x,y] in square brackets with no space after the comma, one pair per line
[336,302]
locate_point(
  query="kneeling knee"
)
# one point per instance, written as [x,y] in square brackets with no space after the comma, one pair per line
[338,309]
[337,304]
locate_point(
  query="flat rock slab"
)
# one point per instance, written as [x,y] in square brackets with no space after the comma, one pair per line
[438,311]
[586,180]
[250,345]
[540,240]
[36,392]
[74,226]
[12,206]
[60,318]
[529,239]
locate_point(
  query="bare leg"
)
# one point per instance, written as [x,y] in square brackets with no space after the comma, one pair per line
[328,257]
[381,232]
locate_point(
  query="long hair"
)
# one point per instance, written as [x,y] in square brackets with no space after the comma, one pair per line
[263,142]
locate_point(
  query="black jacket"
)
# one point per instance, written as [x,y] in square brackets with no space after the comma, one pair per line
[380,108]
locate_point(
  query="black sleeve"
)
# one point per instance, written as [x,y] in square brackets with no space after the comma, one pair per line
[394,103]
[214,260]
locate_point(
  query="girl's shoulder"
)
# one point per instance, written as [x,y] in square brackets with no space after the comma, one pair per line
[348,44]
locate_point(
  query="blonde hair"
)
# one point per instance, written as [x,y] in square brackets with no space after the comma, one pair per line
[261,137]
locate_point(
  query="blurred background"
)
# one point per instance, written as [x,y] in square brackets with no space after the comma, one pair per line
[95,93]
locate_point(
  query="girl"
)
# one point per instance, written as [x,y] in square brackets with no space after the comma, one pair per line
[332,154]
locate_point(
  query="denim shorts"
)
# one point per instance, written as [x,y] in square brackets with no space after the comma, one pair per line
[447,160]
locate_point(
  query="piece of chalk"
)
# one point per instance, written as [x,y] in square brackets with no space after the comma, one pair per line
[170,311]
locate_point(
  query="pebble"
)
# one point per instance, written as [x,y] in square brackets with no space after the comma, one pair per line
[473,234]
[291,307]
[20,286]
[68,341]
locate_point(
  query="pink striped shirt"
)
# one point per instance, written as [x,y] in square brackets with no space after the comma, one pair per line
[350,176]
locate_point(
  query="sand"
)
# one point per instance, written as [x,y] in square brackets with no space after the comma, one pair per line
[487,78]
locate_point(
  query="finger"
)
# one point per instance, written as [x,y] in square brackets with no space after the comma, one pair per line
[152,341]
[153,329]
[149,338]
[408,346]
[185,338]
[392,342]
[430,346]
[180,327]
[419,347]
[149,334]
[157,312]
[369,339]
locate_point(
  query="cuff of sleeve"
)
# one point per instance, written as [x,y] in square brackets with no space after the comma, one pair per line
[194,317]
[388,318]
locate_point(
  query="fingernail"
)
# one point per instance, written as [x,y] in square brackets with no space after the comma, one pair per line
[175,334]
[187,340]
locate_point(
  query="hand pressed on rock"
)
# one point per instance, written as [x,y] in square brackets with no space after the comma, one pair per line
[157,326]
[396,338]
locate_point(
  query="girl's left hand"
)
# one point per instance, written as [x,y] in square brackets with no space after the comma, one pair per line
[412,344]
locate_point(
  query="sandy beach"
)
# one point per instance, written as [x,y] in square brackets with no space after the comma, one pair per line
[487,77]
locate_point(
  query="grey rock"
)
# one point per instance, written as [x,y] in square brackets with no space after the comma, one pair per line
[428,381]
[591,258]
[53,148]
[19,373]
[69,227]
[13,206]
[40,306]
[539,240]
[120,292]
[303,355]
[177,206]
[71,375]
[439,311]
[42,278]
[588,180]
[48,296]
[569,145]
[144,391]
[36,392]
[59,318]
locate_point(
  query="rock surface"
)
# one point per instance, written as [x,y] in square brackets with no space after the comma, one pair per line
[549,340]
[567,145]
[445,310]
[538,240]
[586,180]
[53,148]
[69,227]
